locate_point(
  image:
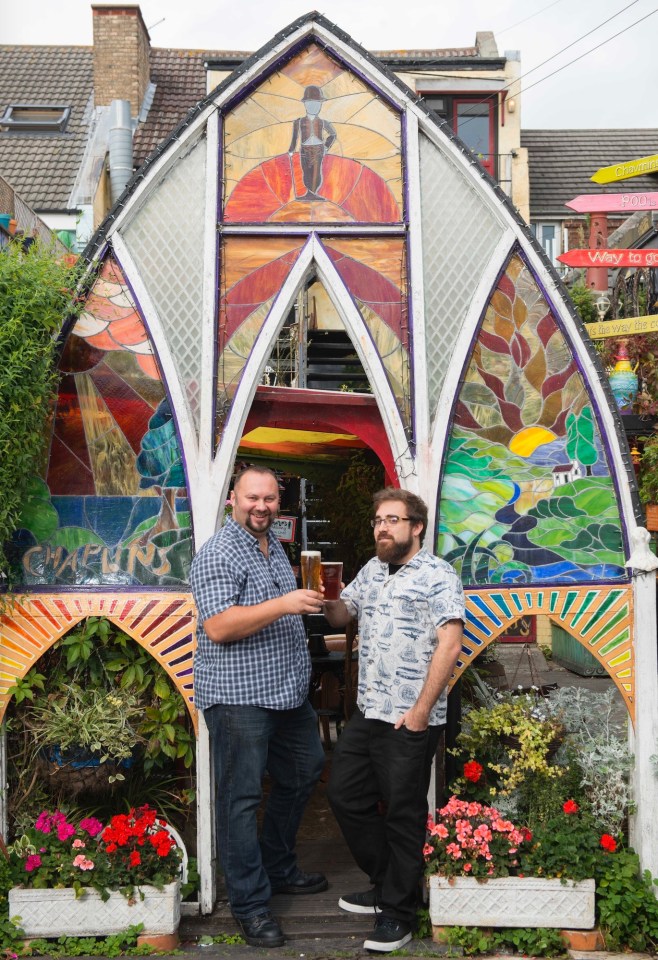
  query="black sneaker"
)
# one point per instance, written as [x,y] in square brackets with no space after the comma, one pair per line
[261,930]
[365,902]
[389,934]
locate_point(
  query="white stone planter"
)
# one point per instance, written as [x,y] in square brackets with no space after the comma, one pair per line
[57,913]
[511,902]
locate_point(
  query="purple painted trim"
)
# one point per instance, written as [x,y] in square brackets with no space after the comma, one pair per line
[155,353]
[404,150]
[216,311]
[289,54]
[547,585]
[102,588]
[517,250]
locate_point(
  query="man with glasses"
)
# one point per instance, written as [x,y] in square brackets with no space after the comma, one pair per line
[410,607]
[251,676]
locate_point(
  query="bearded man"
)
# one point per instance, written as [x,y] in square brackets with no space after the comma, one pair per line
[251,678]
[410,607]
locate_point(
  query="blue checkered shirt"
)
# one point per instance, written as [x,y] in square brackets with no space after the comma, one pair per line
[271,668]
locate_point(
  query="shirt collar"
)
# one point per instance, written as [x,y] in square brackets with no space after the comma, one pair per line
[248,538]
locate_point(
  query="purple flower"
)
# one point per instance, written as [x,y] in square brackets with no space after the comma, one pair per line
[91,825]
[33,862]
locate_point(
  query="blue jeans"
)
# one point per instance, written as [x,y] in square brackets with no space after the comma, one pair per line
[247,742]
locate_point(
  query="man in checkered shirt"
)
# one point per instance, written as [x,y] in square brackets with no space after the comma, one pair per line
[251,677]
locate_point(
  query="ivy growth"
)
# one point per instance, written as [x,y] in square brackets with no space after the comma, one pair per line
[37,291]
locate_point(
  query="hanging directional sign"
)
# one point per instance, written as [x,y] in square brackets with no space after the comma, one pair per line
[627,169]
[613,202]
[622,328]
[610,258]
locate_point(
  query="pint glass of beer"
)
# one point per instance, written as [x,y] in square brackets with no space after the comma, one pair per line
[310,564]
[332,574]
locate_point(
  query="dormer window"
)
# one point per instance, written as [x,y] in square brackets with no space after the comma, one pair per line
[35,118]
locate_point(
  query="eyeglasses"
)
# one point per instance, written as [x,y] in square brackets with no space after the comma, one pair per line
[390,521]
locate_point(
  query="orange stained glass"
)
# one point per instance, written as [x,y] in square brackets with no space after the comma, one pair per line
[313,143]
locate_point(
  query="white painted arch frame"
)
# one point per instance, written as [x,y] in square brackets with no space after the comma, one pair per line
[208,477]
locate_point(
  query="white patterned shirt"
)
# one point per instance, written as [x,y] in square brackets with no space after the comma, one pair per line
[398,618]
[272,667]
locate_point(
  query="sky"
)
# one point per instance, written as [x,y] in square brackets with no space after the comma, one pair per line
[612,87]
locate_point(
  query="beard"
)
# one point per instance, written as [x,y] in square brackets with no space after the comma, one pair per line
[259,525]
[393,551]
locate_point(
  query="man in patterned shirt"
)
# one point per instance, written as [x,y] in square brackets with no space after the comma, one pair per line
[410,606]
[251,676]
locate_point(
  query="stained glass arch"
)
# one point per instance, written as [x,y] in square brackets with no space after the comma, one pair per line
[313,159]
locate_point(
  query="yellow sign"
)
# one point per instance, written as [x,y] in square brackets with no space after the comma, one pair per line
[622,328]
[629,168]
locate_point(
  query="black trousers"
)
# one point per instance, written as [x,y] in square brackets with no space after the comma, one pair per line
[378,792]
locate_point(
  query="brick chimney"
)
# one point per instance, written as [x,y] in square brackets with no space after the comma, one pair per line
[121,55]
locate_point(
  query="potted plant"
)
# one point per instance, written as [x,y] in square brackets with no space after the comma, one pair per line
[74,878]
[649,479]
[486,871]
[94,705]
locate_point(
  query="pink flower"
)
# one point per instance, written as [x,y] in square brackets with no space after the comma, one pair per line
[428,850]
[467,868]
[439,830]
[65,830]
[33,862]
[43,823]
[454,851]
[91,825]
[83,863]
[79,844]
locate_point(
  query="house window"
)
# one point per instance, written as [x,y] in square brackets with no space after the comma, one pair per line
[474,120]
[551,238]
[34,118]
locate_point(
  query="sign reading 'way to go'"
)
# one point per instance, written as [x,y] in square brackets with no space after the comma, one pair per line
[629,168]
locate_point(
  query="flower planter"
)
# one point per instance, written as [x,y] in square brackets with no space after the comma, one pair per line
[57,913]
[511,902]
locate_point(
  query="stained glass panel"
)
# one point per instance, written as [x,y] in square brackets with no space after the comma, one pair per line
[113,508]
[527,494]
[312,144]
[374,272]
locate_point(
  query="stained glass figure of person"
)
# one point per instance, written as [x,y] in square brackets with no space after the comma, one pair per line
[314,137]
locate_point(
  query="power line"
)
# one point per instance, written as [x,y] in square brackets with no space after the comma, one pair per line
[574,42]
[587,52]
[525,20]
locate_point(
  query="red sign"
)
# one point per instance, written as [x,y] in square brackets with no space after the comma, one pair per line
[610,258]
[613,202]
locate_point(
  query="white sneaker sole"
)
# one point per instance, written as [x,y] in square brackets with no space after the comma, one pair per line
[382,947]
[356,908]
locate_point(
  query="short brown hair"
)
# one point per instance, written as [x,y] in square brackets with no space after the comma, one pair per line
[415,507]
[255,468]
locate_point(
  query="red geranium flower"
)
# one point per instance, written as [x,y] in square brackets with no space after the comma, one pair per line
[570,806]
[608,843]
[526,834]
[473,771]
[135,858]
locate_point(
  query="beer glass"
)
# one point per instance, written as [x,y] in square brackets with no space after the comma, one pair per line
[310,564]
[332,575]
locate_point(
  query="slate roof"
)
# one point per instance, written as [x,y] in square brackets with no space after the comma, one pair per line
[180,79]
[180,82]
[42,167]
[561,163]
